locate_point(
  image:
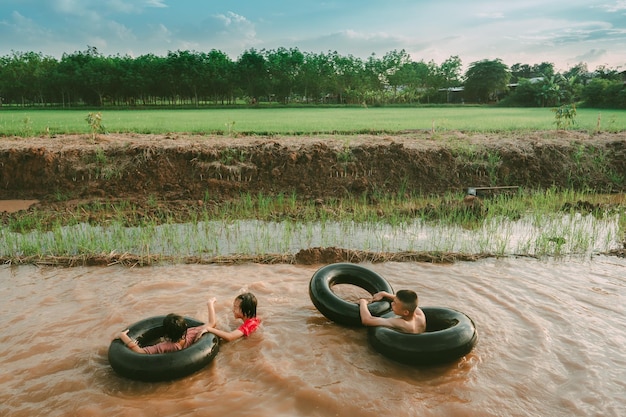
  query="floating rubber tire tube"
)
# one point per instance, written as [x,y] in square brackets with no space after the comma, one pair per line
[449,336]
[160,366]
[337,309]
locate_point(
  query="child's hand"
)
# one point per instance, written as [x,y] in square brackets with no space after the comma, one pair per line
[198,336]
[201,333]
[123,335]
[378,296]
[212,300]
[363,301]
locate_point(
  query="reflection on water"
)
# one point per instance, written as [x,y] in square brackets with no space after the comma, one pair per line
[534,236]
[551,337]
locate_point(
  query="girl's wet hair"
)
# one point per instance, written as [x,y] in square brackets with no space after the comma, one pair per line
[174,326]
[247,304]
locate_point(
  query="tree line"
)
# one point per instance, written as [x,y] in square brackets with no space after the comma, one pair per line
[290,76]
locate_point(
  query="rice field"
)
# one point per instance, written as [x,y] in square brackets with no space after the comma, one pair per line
[527,224]
[302,121]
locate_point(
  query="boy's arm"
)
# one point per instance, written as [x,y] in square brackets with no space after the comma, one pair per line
[368,320]
[366,317]
[381,295]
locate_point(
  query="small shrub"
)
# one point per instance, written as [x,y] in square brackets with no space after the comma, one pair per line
[230,126]
[565,116]
[95,123]
[27,127]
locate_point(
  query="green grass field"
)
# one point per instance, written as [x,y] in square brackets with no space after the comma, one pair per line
[303,120]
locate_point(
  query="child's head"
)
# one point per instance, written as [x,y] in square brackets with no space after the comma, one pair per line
[174,326]
[407,299]
[246,304]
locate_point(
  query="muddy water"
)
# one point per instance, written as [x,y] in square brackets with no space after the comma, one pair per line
[12,206]
[551,343]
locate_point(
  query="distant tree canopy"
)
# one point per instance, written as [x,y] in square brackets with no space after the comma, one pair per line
[485,80]
[290,76]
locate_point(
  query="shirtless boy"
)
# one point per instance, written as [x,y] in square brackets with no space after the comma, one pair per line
[409,317]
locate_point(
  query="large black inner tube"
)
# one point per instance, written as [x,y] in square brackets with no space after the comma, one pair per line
[449,336]
[337,309]
[161,366]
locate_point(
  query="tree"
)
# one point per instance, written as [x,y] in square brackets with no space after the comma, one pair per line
[78,77]
[184,69]
[347,81]
[579,72]
[520,72]
[284,67]
[525,94]
[252,74]
[219,75]
[600,92]
[314,75]
[151,78]
[594,92]
[545,69]
[450,71]
[606,73]
[486,79]
[549,92]
[615,94]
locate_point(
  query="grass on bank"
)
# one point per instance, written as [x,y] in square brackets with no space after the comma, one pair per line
[542,223]
[303,121]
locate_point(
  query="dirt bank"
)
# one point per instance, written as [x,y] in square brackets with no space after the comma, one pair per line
[187,168]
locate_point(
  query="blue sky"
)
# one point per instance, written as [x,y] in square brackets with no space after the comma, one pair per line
[527,31]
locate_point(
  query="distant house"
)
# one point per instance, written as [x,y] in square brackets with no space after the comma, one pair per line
[533,80]
[454,94]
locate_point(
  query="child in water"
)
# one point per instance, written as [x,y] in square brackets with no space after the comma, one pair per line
[409,317]
[244,308]
[178,336]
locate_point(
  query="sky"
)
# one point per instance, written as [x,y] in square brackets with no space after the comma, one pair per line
[564,33]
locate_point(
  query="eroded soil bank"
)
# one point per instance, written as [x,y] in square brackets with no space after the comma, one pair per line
[190,168]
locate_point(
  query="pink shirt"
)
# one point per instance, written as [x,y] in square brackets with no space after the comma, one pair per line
[169,346]
[249,326]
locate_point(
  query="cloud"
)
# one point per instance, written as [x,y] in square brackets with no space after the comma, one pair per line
[490,15]
[68,6]
[121,32]
[593,55]
[236,29]
[618,6]
[23,28]
[160,34]
[75,8]
[96,8]
[359,41]
[155,3]
[233,19]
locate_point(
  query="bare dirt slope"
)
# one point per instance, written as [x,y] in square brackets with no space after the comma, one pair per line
[190,168]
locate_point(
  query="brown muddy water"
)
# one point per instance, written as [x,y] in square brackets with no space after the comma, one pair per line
[551,339]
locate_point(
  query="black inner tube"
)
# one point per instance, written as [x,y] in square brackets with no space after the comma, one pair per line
[337,309]
[449,336]
[162,366]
